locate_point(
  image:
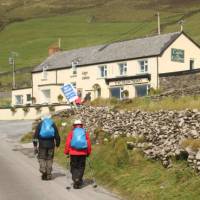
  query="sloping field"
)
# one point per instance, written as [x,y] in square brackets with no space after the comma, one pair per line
[38,24]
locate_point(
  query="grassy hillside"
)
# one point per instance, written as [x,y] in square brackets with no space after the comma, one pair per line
[38,24]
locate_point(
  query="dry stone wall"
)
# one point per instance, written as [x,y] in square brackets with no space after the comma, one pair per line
[162,132]
[177,80]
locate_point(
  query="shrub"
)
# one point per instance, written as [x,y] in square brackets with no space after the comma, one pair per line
[27,138]
[33,100]
[60,98]
[153,91]
[38,108]
[100,136]
[120,155]
[26,109]
[125,93]
[13,109]
[51,108]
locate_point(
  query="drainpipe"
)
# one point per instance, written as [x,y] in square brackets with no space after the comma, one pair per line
[56,77]
[157,84]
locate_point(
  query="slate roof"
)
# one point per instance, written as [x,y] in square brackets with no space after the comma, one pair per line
[124,50]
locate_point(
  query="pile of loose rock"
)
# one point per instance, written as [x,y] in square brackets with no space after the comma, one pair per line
[161,133]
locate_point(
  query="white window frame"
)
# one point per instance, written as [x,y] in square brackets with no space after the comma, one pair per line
[44,72]
[21,100]
[122,69]
[74,84]
[74,68]
[143,66]
[103,71]
[121,90]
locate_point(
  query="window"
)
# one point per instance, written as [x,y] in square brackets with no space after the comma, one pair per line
[74,84]
[122,69]
[46,96]
[143,66]
[103,71]
[19,99]
[116,92]
[141,90]
[191,64]
[74,69]
[45,73]
[28,97]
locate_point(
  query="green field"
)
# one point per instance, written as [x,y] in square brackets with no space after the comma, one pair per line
[31,26]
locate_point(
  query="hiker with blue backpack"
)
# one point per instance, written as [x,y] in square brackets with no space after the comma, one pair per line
[47,135]
[78,147]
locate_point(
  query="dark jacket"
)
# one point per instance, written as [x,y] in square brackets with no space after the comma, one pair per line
[46,143]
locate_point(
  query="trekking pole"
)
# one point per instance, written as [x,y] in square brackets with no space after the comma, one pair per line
[68,173]
[92,174]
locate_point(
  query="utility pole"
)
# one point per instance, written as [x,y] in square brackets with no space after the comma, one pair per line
[158,16]
[12,62]
[59,43]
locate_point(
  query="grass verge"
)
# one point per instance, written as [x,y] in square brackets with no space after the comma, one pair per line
[27,138]
[134,177]
[146,104]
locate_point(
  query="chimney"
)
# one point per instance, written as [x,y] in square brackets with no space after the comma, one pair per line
[53,50]
[56,47]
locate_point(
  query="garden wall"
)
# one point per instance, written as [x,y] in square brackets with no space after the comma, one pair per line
[30,112]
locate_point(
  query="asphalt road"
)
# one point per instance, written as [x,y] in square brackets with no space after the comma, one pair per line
[20,178]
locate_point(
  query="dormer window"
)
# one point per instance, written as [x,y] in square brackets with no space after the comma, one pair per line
[74,69]
[44,72]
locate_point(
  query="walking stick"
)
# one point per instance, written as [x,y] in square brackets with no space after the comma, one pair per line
[92,174]
[68,173]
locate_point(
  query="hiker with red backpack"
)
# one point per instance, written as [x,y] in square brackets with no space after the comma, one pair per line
[78,147]
[47,135]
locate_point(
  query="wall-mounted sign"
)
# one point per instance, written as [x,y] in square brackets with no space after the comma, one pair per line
[129,82]
[84,73]
[85,76]
[177,55]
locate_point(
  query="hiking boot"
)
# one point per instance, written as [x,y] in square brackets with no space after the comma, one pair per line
[76,184]
[49,177]
[44,176]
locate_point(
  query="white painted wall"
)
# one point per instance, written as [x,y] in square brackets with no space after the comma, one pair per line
[7,114]
[191,51]
[23,93]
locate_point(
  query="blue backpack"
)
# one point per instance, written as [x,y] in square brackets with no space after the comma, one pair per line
[79,141]
[47,129]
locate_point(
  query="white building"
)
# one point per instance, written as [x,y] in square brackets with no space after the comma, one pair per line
[108,70]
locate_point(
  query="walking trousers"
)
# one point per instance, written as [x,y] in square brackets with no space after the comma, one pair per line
[77,164]
[45,157]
